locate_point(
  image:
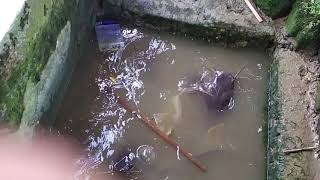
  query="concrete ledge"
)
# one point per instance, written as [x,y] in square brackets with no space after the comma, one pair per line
[218,21]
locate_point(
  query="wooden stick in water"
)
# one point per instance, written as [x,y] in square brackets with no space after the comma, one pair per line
[289,151]
[125,104]
[253,10]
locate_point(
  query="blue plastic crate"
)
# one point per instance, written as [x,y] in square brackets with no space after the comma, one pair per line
[109,35]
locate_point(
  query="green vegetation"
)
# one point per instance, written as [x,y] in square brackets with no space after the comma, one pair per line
[41,37]
[275,8]
[304,22]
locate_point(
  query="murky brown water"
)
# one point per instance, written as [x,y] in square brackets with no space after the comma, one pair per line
[148,72]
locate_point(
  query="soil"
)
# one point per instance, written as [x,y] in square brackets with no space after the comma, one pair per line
[298,72]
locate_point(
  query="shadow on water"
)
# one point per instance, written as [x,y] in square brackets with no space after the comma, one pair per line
[147,71]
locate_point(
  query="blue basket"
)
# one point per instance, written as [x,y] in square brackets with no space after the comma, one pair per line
[109,35]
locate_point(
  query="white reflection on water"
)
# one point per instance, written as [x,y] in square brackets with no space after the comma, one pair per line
[127,72]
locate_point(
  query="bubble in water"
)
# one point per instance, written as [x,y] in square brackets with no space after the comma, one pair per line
[146,154]
[259,66]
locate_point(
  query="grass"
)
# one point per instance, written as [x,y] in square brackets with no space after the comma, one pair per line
[275,8]
[304,22]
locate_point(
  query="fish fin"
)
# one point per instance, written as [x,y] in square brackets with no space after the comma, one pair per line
[164,121]
[177,114]
[214,128]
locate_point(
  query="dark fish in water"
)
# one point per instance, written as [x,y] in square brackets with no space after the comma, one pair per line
[217,87]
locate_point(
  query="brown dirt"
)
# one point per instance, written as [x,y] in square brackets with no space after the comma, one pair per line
[298,72]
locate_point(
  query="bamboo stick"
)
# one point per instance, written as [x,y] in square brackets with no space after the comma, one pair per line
[253,10]
[125,104]
[289,151]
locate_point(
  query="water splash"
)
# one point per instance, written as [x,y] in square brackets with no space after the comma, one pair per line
[118,73]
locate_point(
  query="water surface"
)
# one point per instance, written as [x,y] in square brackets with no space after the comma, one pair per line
[148,72]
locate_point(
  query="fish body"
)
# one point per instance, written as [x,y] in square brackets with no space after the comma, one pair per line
[167,122]
[217,88]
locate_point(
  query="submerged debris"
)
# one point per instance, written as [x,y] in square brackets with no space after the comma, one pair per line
[128,159]
[125,163]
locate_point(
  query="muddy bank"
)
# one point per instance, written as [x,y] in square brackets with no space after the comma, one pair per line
[292,123]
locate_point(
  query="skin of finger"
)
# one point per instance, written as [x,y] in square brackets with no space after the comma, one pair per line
[50,159]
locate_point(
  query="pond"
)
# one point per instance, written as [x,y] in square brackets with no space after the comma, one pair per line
[148,72]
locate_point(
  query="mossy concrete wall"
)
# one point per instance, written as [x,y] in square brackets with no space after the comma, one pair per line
[37,57]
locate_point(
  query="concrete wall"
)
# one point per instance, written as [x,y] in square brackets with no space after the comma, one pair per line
[224,21]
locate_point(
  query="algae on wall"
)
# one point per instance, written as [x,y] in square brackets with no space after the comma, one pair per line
[43,21]
[274,159]
[304,22]
[35,33]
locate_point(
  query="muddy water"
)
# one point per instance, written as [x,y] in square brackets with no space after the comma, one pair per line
[148,72]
